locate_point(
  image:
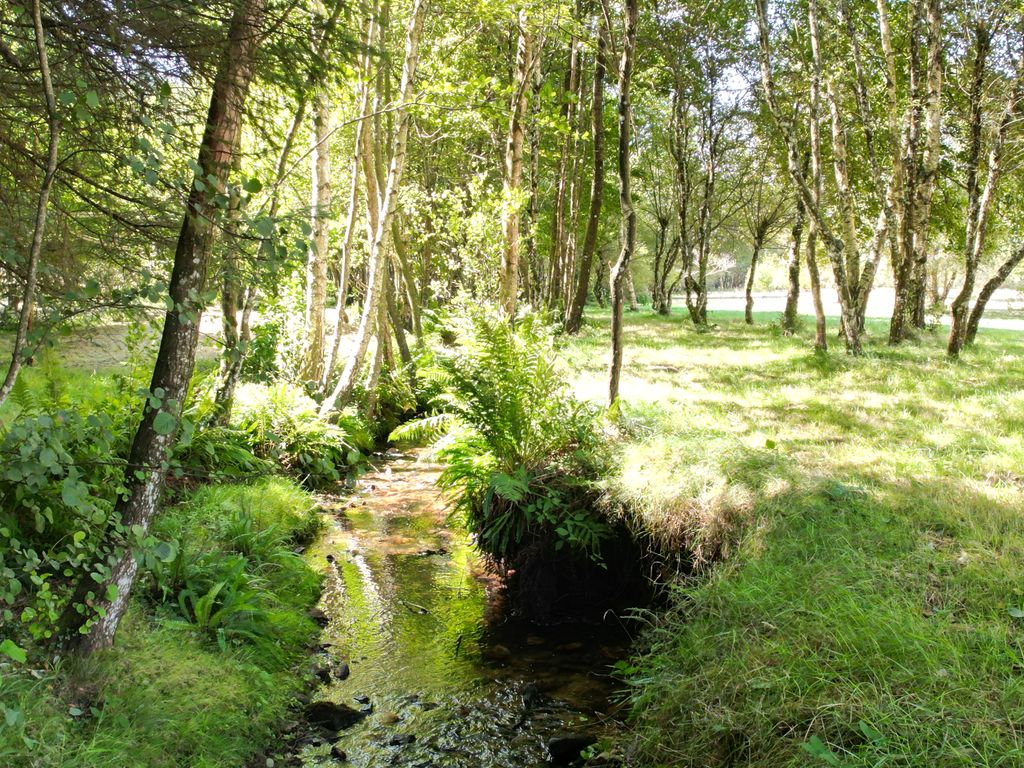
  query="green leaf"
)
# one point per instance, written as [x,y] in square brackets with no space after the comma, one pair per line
[74,711]
[1017,613]
[92,99]
[164,423]
[111,592]
[8,648]
[874,736]
[820,750]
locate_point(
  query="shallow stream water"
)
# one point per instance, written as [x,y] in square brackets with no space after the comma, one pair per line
[449,679]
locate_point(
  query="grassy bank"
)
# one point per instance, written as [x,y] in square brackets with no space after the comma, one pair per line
[858,531]
[182,687]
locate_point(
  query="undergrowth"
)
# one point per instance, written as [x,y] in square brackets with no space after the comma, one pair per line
[184,686]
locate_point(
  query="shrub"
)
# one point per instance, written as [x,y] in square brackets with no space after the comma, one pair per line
[260,362]
[522,457]
[282,424]
[59,480]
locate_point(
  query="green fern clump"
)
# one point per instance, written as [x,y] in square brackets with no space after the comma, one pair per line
[282,424]
[522,457]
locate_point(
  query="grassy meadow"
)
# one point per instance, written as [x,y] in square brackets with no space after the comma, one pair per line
[850,534]
[855,530]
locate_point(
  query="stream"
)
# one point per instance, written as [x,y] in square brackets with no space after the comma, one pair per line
[420,646]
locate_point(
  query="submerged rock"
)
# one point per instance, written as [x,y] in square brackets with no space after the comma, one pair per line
[565,748]
[332,716]
[401,740]
[338,753]
[499,653]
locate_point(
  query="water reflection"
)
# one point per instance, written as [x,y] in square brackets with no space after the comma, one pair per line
[451,680]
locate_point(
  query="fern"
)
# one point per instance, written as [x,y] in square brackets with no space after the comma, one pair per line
[521,454]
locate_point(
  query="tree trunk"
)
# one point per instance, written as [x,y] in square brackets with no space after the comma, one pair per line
[627,235]
[556,278]
[232,302]
[342,393]
[748,310]
[981,199]
[820,331]
[533,277]
[28,296]
[988,289]
[574,317]
[316,253]
[345,265]
[508,276]
[789,314]
[154,439]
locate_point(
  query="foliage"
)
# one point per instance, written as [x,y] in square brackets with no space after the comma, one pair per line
[260,362]
[281,423]
[58,484]
[521,455]
[219,668]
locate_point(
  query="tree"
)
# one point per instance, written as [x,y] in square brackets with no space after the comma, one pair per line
[627,236]
[574,314]
[983,180]
[28,296]
[376,269]
[154,438]
[764,216]
[508,281]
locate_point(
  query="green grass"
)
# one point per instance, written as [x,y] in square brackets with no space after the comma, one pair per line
[170,694]
[857,532]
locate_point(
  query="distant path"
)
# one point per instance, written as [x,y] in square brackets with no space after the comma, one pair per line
[880,305]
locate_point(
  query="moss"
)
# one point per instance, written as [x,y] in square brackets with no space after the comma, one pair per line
[170,694]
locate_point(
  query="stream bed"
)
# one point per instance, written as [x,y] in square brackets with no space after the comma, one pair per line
[420,646]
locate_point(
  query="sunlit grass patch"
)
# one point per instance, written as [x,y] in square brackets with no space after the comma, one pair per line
[865,518]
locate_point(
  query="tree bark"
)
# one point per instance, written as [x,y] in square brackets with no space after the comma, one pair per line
[508,276]
[316,253]
[980,199]
[1016,257]
[820,330]
[145,473]
[748,309]
[574,317]
[789,314]
[28,296]
[558,229]
[342,393]
[627,235]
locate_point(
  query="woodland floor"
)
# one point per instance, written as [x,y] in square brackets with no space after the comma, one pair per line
[866,520]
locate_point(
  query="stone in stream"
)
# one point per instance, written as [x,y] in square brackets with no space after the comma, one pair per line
[327,669]
[332,716]
[565,748]
[401,740]
[318,615]
[499,653]
[361,699]
[338,753]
